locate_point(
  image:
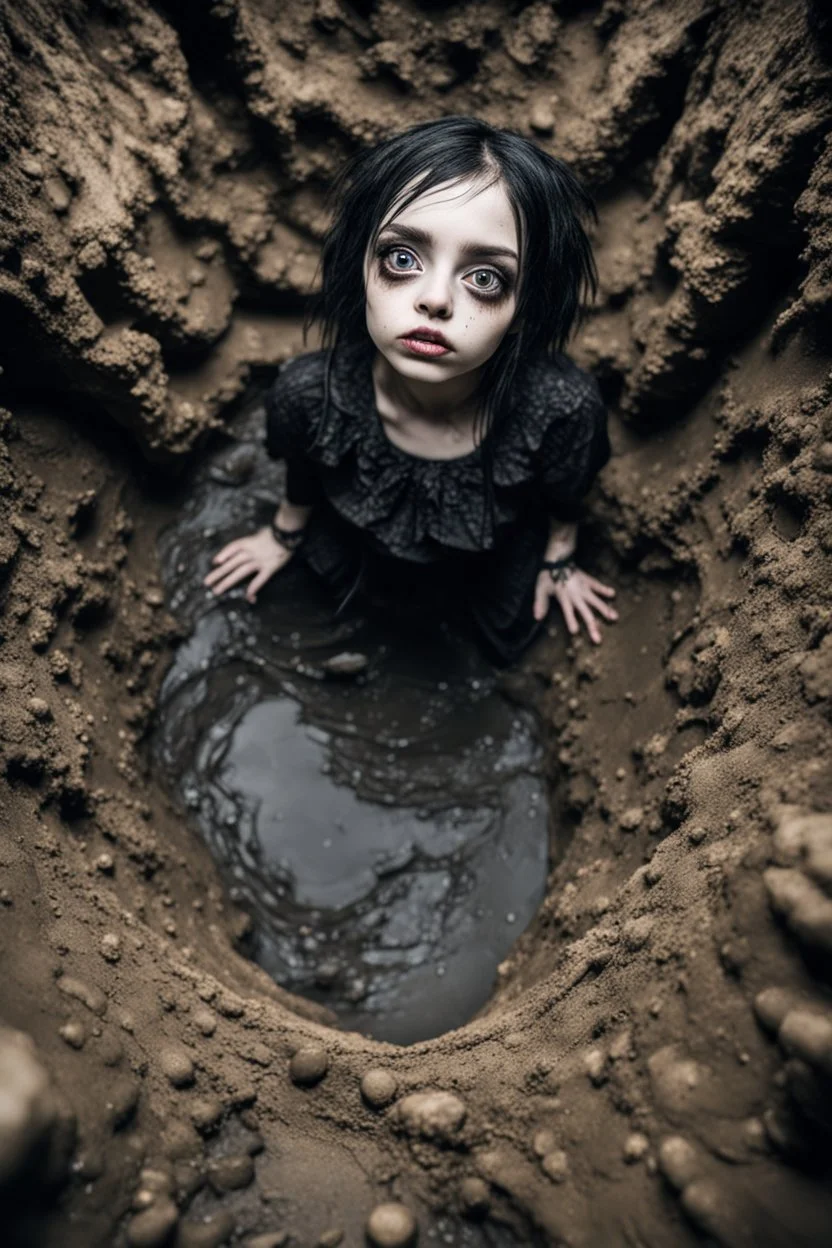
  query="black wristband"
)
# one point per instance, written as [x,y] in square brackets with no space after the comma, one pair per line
[560,569]
[289,538]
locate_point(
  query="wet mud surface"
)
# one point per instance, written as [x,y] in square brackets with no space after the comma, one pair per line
[385,827]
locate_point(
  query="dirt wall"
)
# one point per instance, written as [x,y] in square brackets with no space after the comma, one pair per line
[655,1064]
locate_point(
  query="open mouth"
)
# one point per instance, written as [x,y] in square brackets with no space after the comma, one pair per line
[427,342]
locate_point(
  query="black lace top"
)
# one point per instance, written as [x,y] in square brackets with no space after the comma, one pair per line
[544,457]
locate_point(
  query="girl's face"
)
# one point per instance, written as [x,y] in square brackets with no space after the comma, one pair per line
[441,280]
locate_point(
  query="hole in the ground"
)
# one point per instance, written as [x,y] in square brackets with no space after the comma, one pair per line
[385,826]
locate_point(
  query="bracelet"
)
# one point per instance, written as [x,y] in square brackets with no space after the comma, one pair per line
[290,538]
[560,569]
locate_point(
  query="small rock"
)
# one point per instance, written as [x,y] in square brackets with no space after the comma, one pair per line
[110,947]
[40,708]
[555,1165]
[474,1196]
[93,998]
[206,1113]
[309,1065]
[73,1033]
[271,1239]
[31,166]
[542,117]
[58,194]
[105,864]
[378,1087]
[205,1021]
[434,1115]
[122,1098]
[595,1065]
[697,835]
[544,1142]
[345,664]
[823,457]
[152,1228]
[176,1065]
[210,1232]
[230,1174]
[635,1147]
[632,818]
[391,1225]
[637,932]
[331,1238]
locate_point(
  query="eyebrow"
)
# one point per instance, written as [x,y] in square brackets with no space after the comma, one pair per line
[411,234]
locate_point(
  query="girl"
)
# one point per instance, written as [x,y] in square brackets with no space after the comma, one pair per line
[437,450]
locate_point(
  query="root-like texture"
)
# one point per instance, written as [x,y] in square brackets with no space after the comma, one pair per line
[655,1063]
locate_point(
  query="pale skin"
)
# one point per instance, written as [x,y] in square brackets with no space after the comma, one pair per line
[448,263]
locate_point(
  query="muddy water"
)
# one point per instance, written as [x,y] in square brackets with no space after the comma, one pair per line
[386,829]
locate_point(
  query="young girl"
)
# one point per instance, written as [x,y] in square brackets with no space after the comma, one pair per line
[438,449]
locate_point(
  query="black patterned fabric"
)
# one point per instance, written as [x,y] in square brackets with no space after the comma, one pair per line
[427,528]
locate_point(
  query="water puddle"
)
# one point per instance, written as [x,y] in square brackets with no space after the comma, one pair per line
[386,829]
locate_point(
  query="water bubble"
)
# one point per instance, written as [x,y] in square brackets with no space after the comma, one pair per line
[511,916]
[440,970]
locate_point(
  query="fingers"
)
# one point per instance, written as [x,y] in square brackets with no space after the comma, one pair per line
[606,590]
[233,561]
[227,551]
[568,611]
[234,576]
[259,580]
[603,608]
[541,599]
[588,618]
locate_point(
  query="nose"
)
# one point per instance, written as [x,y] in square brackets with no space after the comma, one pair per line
[434,298]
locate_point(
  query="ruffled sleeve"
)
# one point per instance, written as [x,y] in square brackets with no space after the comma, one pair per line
[291,403]
[574,449]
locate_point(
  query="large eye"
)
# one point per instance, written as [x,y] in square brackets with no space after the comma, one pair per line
[401,260]
[487,281]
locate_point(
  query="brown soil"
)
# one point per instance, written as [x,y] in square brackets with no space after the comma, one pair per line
[657,1060]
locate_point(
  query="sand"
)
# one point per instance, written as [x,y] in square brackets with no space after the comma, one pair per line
[654,1065]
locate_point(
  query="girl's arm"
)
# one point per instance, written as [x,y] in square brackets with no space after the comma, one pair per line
[576,593]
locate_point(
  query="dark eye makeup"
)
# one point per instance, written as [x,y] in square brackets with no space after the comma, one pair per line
[390,256]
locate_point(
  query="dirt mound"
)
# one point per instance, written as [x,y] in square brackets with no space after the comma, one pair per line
[655,1062]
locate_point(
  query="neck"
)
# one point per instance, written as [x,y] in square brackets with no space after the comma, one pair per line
[438,400]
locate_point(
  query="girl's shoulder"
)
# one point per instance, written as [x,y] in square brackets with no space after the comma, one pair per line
[300,374]
[553,389]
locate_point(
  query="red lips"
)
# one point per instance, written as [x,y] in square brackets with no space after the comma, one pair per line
[428,335]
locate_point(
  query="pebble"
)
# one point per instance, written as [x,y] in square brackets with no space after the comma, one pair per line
[474,1196]
[595,1064]
[542,117]
[230,1174]
[378,1087]
[637,932]
[544,1142]
[122,1100]
[105,864]
[210,1232]
[205,1021]
[391,1225]
[635,1147]
[331,1238]
[697,835]
[271,1239]
[40,708]
[206,1112]
[632,818]
[772,1005]
[110,947]
[177,1067]
[309,1064]
[152,1228]
[73,1033]
[434,1115]
[555,1165]
[92,998]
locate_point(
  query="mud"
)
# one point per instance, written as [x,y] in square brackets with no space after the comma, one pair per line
[652,1065]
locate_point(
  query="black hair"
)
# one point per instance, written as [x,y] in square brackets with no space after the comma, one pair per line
[557,269]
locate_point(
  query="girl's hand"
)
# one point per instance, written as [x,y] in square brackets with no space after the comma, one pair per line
[259,555]
[577,595]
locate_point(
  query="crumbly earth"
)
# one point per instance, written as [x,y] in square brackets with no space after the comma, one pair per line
[656,1063]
